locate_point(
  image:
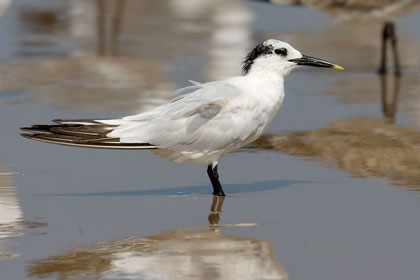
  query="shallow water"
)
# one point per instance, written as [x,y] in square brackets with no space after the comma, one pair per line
[329,193]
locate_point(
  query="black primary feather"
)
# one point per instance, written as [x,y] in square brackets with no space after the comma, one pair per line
[81,133]
[258,51]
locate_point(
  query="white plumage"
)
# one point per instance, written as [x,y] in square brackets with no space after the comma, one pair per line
[215,118]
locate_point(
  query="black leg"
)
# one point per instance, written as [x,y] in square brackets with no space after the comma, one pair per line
[389,33]
[392,34]
[214,178]
[385,36]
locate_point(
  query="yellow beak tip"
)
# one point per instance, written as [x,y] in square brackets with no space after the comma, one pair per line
[338,67]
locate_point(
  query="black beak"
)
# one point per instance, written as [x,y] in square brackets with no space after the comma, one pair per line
[315,62]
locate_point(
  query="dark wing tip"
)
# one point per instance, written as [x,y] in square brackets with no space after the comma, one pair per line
[27,135]
[82,133]
[37,128]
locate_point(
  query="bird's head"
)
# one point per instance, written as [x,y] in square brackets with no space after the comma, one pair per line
[278,56]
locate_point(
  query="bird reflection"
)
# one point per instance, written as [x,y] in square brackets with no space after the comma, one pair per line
[4,4]
[215,209]
[120,55]
[101,25]
[91,74]
[363,13]
[10,215]
[184,253]
[389,97]
[383,11]
[364,146]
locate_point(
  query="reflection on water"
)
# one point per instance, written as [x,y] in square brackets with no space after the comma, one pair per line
[359,84]
[389,97]
[90,83]
[4,4]
[230,40]
[101,27]
[10,215]
[370,12]
[200,252]
[117,55]
[40,31]
[189,190]
[363,146]
[360,10]
[85,78]
[370,88]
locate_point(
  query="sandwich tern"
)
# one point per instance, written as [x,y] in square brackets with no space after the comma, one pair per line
[202,123]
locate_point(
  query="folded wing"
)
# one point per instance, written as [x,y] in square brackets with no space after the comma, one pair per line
[81,133]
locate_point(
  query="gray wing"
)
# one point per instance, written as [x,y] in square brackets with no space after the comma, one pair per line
[206,118]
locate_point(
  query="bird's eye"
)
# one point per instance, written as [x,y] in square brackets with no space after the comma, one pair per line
[281,51]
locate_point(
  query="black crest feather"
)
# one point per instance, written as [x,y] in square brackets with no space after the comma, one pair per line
[258,51]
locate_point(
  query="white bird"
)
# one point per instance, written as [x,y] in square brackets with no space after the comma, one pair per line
[204,122]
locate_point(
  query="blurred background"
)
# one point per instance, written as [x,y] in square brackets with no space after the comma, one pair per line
[329,192]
